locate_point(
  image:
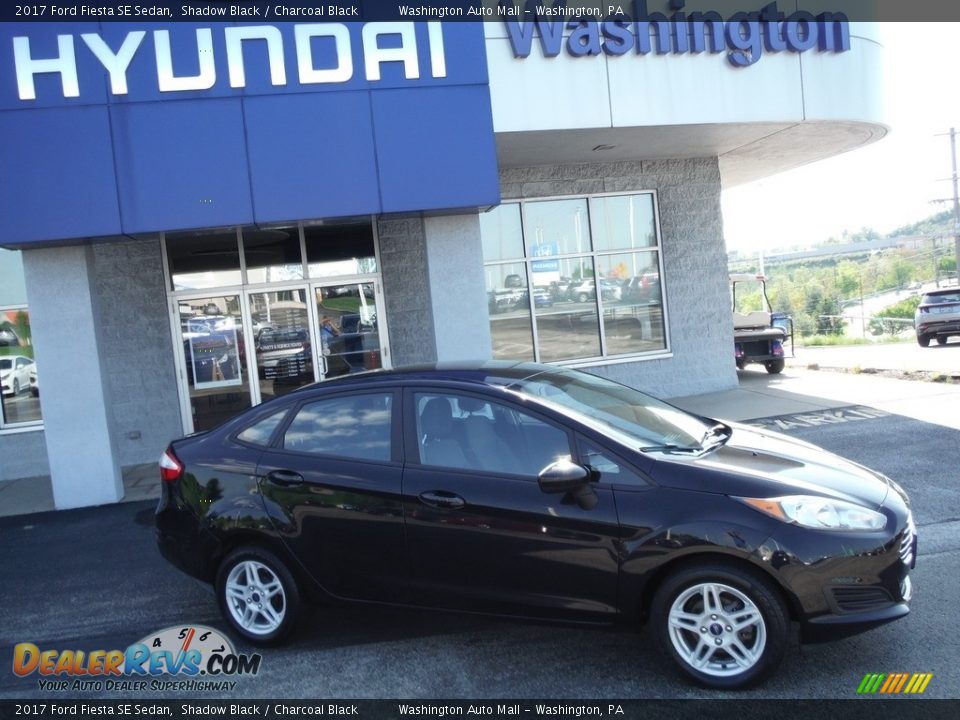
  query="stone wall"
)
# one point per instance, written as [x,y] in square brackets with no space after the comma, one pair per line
[136,347]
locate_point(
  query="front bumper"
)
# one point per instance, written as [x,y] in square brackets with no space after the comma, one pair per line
[846,584]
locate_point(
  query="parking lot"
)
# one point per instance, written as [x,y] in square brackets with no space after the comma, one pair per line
[92,579]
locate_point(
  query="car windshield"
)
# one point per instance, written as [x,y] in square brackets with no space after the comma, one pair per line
[631,416]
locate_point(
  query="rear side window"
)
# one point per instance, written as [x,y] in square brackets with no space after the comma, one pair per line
[261,431]
[357,427]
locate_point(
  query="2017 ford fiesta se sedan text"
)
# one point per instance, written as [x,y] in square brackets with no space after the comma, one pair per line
[531,491]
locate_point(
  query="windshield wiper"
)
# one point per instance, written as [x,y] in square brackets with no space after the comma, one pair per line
[672,449]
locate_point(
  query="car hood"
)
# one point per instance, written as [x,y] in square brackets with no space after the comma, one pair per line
[758,463]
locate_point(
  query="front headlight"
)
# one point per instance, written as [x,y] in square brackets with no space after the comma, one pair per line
[818,513]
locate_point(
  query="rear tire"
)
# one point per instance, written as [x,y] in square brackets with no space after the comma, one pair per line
[941,341]
[774,367]
[695,618]
[923,341]
[258,595]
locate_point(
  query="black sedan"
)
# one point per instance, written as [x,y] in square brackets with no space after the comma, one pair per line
[531,491]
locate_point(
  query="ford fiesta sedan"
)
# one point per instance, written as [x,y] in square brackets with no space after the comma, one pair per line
[531,491]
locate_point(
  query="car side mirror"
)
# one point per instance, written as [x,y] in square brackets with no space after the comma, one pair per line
[563,476]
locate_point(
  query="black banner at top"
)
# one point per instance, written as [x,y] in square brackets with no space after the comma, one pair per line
[449,10]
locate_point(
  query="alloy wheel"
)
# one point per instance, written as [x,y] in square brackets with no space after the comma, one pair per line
[717,630]
[255,597]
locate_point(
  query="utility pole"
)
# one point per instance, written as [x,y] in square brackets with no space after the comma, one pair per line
[956,200]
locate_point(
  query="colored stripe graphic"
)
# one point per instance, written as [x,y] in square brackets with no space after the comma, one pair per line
[894,683]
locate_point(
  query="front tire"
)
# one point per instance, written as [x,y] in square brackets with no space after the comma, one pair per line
[258,595]
[723,626]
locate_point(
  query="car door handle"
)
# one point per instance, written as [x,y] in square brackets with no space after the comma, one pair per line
[284,477]
[442,499]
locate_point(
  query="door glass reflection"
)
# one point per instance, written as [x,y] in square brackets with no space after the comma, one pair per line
[284,353]
[349,335]
[215,357]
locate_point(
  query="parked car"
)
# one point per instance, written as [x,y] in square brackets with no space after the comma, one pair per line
[937,316]
[642,288]
[8,335]
[542,297]
[582,291]
[14,374]
[526,490]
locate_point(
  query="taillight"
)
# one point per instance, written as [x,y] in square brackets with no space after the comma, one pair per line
[171,469]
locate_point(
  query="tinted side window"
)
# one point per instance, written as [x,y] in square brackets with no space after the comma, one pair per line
[471,433]
[356,427]
[260,432]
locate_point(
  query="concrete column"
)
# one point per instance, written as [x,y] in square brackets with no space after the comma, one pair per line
[458,295]
[74,399]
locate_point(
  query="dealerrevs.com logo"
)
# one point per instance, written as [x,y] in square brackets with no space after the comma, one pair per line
[200,656]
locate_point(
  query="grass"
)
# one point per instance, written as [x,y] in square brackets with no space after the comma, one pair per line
[831,340]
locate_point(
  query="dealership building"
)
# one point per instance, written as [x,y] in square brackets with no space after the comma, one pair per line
[197,217]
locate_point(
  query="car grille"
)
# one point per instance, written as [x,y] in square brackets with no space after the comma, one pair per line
[860,599]
[908,543]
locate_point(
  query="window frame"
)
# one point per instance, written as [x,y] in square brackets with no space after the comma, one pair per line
[11,428]
[593,255]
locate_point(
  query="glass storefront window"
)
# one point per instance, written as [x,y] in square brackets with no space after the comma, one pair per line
[556,227]
[19,380]
[632,302]
[501,233]
[292,304]
[508,303]
[334,250]
[594,278]
[272,254]
[203,260]
[622,222]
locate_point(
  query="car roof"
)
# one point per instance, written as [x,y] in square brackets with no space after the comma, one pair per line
[943,291]
[488,373]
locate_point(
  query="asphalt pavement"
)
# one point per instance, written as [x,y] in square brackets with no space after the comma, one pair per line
[92,579]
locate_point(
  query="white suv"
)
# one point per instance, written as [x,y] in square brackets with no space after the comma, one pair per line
[938,316]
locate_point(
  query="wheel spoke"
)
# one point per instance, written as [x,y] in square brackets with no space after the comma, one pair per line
[271,615]
[249,572]
[701,656]
[711,599]
[744,657]
[684,620]
[746,618]
[273,588]
[235,591]
[248,616]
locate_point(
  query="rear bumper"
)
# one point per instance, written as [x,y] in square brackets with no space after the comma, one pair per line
[939,328]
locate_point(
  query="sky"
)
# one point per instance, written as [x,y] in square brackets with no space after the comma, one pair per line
[884,185]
